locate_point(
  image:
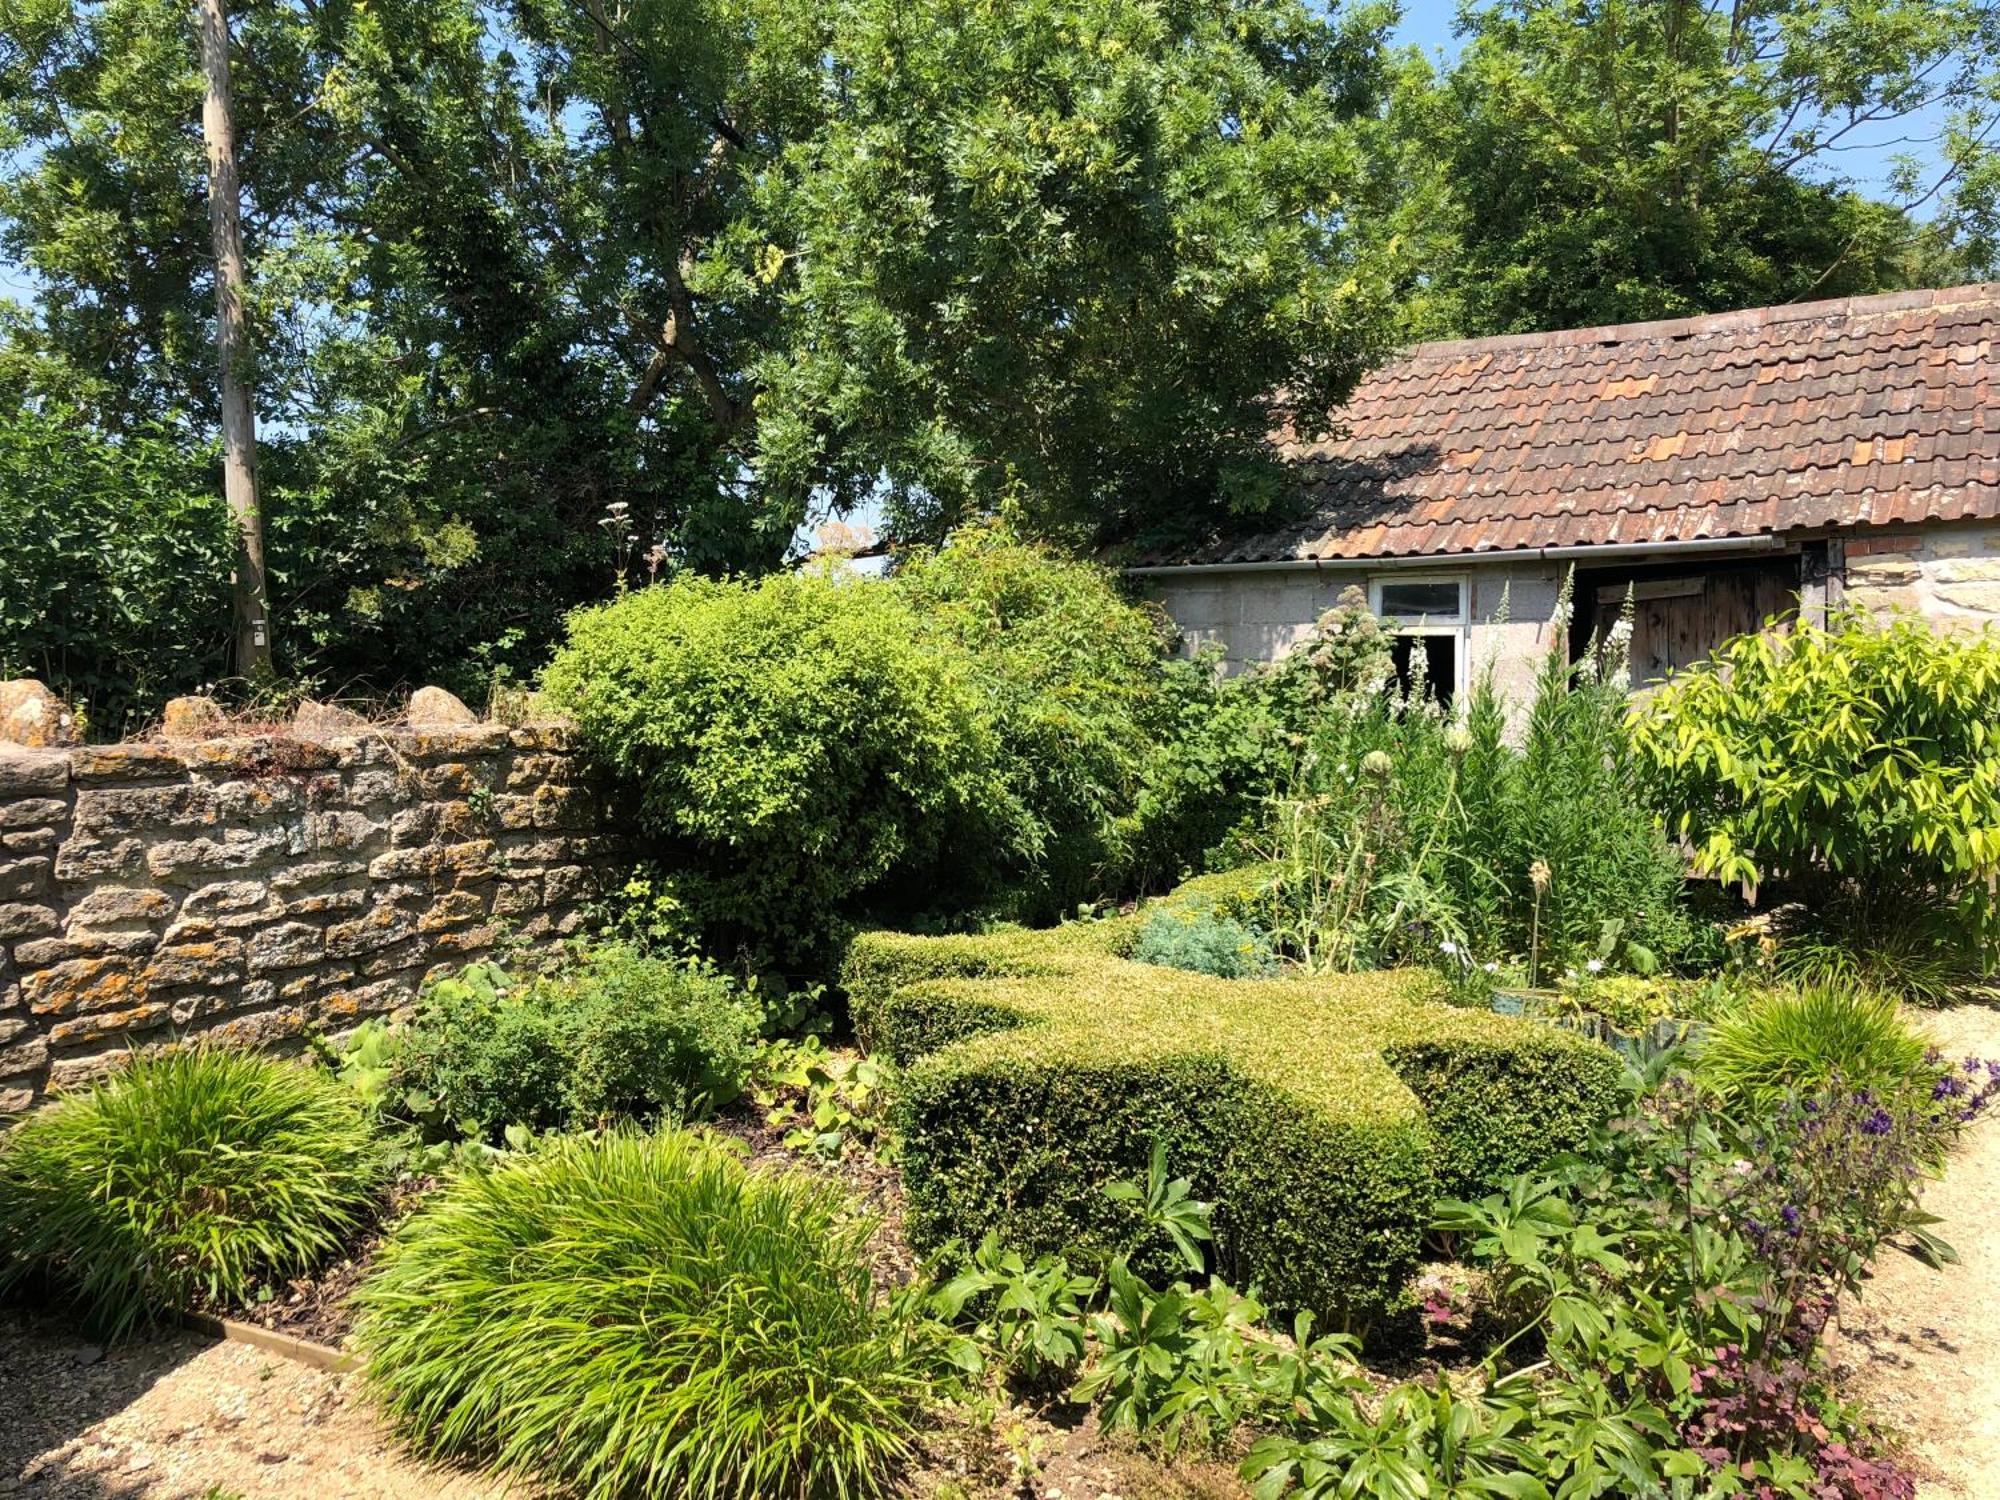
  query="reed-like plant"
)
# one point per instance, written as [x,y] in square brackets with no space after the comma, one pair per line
[180,1181]
[1807,1041]
[631,1315]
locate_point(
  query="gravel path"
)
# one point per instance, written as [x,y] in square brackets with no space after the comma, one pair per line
[1922,1347]
[176,1417]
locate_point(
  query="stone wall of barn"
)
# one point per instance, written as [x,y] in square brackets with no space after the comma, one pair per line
[266,887]
[1950,575]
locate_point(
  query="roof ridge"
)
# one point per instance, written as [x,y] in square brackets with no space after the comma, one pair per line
[1970,294]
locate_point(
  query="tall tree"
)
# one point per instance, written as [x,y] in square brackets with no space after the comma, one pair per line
[1589,161]
[252,655]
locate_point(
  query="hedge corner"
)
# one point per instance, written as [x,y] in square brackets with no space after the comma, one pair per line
[1322,1116]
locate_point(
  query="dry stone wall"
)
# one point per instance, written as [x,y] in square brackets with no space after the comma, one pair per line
[261,888]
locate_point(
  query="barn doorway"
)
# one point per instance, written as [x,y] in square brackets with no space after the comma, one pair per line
[1682,612]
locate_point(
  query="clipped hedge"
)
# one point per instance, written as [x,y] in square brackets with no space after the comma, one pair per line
[1323,1116]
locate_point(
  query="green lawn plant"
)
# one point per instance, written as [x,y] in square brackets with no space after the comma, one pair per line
[1807,1041]
[627,1315]
[183,1180]
[1321,1115]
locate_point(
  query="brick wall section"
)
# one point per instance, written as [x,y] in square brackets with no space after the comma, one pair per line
[258,889]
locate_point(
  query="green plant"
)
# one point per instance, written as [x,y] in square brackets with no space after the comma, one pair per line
[632,1315]
[823,1099]
[179,1181]
[1318,1115]
[799,751]
[1202,942]
[1854,760]
[1807,1041]
[616,1034]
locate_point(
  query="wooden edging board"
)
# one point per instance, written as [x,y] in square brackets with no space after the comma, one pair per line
[306,1352]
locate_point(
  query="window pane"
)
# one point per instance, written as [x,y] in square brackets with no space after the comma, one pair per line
[1434,657]
[1408,601]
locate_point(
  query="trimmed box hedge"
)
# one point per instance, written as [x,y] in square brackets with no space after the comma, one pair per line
[1322,1116]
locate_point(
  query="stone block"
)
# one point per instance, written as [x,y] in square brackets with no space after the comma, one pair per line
[128,809]
[266,1028]
[454,864]
[225,896]
[24,878]
[379,787]
[32,716]
[83,984]
[17,1095]
[102,765]
[216,962]
[432,707]
[110,905]
[285,946]
[455,779]
[83,1069]
[32,812]
[327,903]
[340,830]
[39,953]
[23,1049]
[369,933]
[25,920]
[310,874]
[325,718]
[263,755]
[186,861]
[33,773]
[192,717]
[482,742]
[549,736]
[265,797]
[81,860]
[452,909]
[101,1025]
[517,896]
[24,841]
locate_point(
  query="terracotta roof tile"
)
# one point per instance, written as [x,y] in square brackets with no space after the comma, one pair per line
[1871,411]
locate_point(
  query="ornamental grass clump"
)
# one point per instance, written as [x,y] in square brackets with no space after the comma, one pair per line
[641,1315]
[1801,1043]
[181,1181]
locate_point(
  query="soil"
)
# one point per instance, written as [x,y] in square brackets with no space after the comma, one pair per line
[1921,1347]
[315,1307]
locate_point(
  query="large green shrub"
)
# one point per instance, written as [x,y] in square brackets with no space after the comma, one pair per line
[617,1035]
[797,750]
[181,1180]
[632,1315]
[1857,761]
[1322,1116]
[1072,675]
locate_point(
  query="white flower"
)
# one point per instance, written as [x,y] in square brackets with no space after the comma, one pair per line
[1492,966]
[1596,966]
[1448,947]
[1620,632]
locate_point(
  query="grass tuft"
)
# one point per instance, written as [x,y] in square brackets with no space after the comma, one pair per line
[179,1181]
[640,1315]
[1804,1042]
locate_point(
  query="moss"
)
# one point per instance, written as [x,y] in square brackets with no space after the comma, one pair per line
[1323,1116]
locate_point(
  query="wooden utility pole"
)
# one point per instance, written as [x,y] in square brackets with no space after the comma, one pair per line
[232,343]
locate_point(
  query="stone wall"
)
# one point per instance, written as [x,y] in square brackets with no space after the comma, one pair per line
[1949,574]
[262,888]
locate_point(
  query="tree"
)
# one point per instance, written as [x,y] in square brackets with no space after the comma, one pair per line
[232,345]
[1598,161]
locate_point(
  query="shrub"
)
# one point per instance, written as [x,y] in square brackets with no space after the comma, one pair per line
[1073,676]
[179,1181]
[641,1315]
[798,750]
[618,1036]
[1203,942]
[1320,1116]
[1857,760]
[1806,1042]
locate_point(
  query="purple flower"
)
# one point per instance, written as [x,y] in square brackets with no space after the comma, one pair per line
[1879,1122]
[1790,1214]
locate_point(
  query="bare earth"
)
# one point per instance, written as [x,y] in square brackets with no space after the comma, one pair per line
[171,1418]
[1922,1347]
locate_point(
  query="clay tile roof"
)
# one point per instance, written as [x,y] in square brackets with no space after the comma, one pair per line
[1869,411]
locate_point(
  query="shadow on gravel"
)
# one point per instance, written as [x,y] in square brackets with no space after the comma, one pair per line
[55,1385]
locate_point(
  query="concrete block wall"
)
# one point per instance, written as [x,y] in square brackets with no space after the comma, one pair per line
[260,888]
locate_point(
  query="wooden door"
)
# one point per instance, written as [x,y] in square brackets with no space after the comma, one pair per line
[1677,621]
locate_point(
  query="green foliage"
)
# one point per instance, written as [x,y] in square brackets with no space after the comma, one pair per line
[1636,160]
[641,1315]
[1203,943]
[799,750]
[116,592]
[1855,760]
[181,1180]
[1318,1115]
[1402,834]
[1810,1041]
[618,1035]
[824,1101]
[1072,676]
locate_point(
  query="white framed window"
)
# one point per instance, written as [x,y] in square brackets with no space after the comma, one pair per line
[1429,616]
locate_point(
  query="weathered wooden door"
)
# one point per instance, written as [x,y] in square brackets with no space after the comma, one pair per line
[1678,621]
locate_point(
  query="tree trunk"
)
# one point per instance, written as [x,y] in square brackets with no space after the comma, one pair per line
[232,342]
